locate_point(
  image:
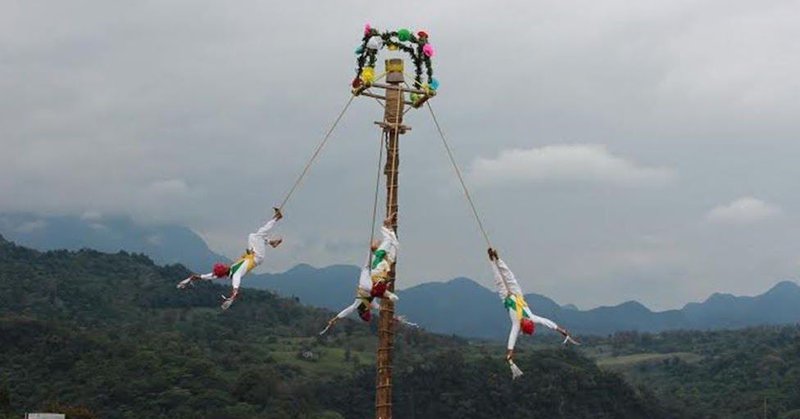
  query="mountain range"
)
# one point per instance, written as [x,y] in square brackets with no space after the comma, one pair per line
[463,307]
[460,306]
[165,244]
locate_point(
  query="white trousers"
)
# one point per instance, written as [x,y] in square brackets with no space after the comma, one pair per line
[365,284]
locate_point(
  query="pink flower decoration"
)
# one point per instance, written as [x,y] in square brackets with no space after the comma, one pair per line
[367,29]
[427,49]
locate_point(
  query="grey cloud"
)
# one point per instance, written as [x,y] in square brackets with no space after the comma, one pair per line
[204,112]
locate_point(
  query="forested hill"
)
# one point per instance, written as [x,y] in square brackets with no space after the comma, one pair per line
[108,336]
[750,373]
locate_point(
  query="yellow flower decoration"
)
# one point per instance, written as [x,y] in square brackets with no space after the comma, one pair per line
[368,75]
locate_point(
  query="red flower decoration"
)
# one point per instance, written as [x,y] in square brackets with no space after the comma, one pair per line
[356,83]
[422,34]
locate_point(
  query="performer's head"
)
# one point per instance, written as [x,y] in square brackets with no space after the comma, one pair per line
[528,326]
[275,241]
[374,245]
[221,270]
[364,312]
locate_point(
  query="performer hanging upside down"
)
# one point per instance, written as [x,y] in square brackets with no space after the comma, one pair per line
[374,276]
[521,316]
[252,257]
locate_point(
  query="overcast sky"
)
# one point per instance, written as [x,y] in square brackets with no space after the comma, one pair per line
[617,150]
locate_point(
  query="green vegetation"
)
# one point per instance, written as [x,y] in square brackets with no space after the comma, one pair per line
[720,374]
[108,336]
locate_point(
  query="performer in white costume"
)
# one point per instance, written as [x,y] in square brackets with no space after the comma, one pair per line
[373,280]
[253,256]
[522,318]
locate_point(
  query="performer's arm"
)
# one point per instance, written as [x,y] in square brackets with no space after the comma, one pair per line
[194,277]
[551,325]
[544,321]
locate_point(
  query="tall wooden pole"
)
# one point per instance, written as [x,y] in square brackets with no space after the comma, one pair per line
[392,128]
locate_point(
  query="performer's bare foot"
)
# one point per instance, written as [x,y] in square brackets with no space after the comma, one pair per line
[567,337]
[515,371]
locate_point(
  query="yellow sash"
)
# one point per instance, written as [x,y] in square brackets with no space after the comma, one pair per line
[249,258]
[519,305]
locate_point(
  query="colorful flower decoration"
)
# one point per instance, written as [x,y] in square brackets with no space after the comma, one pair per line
[404,35]
[368,75]
[415,45]
[375,43]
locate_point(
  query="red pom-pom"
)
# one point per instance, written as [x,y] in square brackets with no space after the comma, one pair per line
[221,270]
[422,34]
[528,327]
[378,289]
[356,83]
[364,312]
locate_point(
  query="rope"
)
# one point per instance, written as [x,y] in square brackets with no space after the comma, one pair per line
[377,188]
[460,177]
[316,153]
